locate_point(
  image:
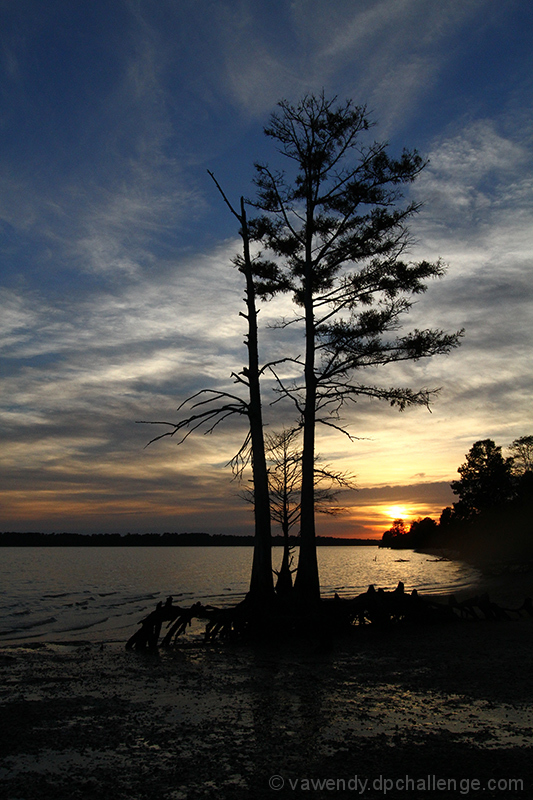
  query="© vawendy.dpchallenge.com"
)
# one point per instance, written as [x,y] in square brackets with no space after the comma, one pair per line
[429,783]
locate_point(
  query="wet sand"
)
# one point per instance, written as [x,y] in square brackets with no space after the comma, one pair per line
[449,702]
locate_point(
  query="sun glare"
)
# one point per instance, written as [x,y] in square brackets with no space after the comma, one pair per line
[397,512]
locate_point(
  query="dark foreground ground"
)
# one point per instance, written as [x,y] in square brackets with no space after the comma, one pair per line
[443,711]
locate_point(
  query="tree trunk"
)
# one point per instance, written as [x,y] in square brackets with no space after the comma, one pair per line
[284,582]
[261,582]
[307,583]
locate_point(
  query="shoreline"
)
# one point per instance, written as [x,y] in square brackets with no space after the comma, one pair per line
[451,700]
[505,581]
[505,589]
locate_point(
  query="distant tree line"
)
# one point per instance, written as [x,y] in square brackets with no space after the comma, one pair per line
[493,516]
[33,539]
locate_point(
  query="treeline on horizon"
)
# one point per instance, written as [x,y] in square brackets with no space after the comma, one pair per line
[493,517]
[33,539]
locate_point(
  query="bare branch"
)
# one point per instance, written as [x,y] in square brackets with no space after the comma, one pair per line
[339,428]
[269,365]
[227,202]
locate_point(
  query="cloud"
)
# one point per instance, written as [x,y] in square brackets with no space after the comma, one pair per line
[386,53]
[477,172]
[477,217]
[109,193]
[80,374]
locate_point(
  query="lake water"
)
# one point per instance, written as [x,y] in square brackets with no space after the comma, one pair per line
[73,594]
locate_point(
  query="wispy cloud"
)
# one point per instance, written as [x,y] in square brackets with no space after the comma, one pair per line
[387,53]
[478,218]
[111,183]
[477,172]
[78,380]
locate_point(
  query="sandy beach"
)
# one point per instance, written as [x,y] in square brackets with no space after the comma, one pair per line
[435,711]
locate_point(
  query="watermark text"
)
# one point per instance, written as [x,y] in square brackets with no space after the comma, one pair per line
[429,783]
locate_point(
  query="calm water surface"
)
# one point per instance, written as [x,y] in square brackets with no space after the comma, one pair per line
[65,594]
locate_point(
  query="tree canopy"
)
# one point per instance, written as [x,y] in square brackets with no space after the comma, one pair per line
[522,454]
[486,479]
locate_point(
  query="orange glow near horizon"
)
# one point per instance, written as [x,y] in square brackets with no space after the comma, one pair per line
[372,521]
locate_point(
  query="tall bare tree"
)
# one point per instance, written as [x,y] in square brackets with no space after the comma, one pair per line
[210,407]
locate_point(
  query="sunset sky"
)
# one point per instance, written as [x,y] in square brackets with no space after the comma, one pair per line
[118,295]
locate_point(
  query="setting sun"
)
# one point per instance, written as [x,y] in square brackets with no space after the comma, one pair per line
[397,512]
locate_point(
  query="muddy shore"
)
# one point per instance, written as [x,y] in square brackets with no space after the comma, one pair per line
[383,714]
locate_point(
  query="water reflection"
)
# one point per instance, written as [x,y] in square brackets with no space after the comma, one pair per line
[351,571]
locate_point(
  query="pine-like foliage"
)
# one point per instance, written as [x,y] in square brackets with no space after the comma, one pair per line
[337,221]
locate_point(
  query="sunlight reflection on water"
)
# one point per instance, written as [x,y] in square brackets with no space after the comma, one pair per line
[351,571]
[83,593]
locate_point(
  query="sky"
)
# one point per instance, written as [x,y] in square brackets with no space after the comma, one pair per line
[118,296]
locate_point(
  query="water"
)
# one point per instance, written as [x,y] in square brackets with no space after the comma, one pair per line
[73,594]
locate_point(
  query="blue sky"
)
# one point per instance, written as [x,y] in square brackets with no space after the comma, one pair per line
[118,295]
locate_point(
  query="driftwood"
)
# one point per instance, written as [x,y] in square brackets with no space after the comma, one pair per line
[148,634]
[221,623]
[379,608]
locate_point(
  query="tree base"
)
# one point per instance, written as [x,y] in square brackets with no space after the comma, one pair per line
[285,617]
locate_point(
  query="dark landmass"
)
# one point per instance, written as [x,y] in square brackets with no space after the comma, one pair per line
[501,534]
[11,539]
[491,523]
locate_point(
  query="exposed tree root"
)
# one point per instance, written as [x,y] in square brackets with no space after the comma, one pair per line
[284,617]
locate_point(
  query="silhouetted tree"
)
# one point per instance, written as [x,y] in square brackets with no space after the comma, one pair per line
[422,532]
[522,454]
[396,535]
[446,517]
[210,407]
[284,458]
[284,477]
[486,480]
[339,226]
